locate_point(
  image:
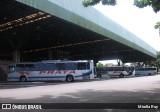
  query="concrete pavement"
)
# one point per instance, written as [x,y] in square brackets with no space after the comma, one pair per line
[127,90]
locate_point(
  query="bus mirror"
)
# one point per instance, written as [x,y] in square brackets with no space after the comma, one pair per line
[11,68]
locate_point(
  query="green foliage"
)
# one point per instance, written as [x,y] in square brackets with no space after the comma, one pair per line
[156,63]
[142,3]
[87,3]
[155,4]
[99,65]
[108,2]
[157,26]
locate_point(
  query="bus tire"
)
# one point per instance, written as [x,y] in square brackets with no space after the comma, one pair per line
[121,75]
[23,79]
[99,75]
[69,78]
[149,74]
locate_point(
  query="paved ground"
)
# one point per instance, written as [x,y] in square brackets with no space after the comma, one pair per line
[127,90]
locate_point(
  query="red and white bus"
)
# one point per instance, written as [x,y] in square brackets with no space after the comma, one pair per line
[115,71]
[51,70]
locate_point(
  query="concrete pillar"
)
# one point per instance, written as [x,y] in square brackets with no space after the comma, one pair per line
[16,56]
[95,61]
[119,62]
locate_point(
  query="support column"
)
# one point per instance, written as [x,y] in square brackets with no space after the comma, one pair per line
[95,62]
[119,62]
[16,56]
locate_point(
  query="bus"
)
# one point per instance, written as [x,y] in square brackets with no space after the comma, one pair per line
[51,70]
[114,71]
[144,71]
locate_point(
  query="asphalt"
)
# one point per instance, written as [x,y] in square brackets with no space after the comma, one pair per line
[137,90]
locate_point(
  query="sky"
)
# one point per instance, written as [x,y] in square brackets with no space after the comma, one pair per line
[139,21]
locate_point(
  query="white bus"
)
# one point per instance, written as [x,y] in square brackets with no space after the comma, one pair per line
[51,70]
[115,71]
[143,71]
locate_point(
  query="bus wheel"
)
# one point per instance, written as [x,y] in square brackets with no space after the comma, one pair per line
[121,75]
[23,79]
[99,76]
[69,78]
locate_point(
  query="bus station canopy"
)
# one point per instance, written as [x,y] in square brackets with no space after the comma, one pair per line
[29,27]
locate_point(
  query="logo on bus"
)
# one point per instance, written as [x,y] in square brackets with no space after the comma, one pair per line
[23,73]
[58,72]
[51,72]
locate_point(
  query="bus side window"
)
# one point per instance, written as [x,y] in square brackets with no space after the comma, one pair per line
[60,66]
[39,67]
[110,68]
[50,66]
[29,67]
[20,67]
[71,66]
[81,66]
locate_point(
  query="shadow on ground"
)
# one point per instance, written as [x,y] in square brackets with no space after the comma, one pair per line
[88,96]
[92,96]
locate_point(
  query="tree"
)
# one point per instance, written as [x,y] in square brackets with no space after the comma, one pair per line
[155,4]
[157,26]
[99,64]
[156,63]
[87,3]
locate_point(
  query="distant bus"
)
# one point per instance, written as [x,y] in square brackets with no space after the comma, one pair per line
[51,70]
[115,71]
[142,71]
